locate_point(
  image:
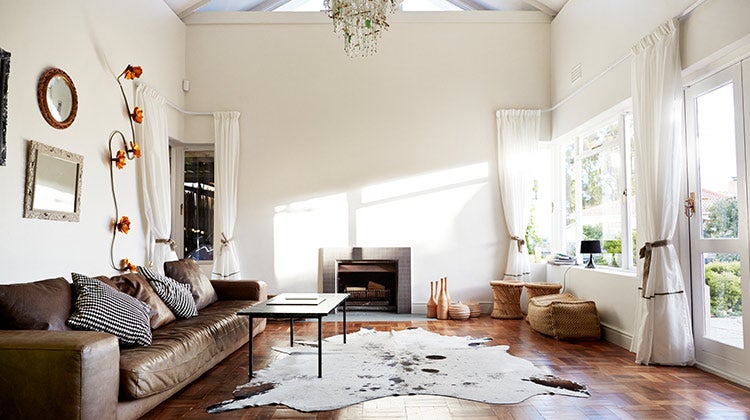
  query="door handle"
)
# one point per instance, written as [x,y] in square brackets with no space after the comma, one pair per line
[690,205]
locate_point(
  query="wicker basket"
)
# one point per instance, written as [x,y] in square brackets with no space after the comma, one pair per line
[564,316]
[475,309]
[459,312]
[507,299]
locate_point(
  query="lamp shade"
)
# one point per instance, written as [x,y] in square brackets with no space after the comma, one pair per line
[591,247]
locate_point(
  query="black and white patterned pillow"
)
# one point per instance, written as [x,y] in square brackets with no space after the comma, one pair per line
[175,295]
[99,307]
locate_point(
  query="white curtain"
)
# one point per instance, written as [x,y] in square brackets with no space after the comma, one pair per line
[227,143]
[663,333]
[517,145]
[153,136]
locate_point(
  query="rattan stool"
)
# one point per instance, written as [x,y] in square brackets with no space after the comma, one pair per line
[540,289]
[507,299]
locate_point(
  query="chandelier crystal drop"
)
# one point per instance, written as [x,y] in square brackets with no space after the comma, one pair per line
[360,23]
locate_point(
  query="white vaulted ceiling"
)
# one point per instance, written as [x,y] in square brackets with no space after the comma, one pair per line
[185,8]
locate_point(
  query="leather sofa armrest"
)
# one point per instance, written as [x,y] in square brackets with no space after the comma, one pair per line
[58,374]
[256,290]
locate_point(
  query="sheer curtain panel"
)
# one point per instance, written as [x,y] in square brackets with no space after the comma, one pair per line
[227,143]
[663,333]
[154,164]
[517,145]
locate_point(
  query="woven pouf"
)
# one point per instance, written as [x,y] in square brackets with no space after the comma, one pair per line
[541,289]
[507,299]
[564,317]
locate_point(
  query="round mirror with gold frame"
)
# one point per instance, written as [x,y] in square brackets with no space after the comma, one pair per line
[57,97]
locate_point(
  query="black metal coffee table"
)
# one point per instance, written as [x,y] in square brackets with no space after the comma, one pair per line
[297,305]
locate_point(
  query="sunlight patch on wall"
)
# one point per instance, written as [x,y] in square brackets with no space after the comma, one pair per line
[301,228]
[418,211]
[427,221]
[423,183]
[435,212]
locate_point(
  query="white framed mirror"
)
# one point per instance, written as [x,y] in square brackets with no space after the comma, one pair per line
[53,183]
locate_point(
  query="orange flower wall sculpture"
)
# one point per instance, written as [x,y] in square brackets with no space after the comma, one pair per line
[132,72]
[135,148]
[120,159]
[126,265]
[124,225]
[137,115]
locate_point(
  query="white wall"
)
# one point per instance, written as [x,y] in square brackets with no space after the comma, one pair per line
[397,149]
[596,33]
[92,41]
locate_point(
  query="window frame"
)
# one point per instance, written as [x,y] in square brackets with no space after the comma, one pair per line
[625,181]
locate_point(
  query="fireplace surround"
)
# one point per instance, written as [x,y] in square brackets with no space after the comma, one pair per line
[378,262]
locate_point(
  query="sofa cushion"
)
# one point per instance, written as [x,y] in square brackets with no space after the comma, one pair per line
[41,305]
[189,272]
[99,307]
[136,285]
[181,349]
[175,295]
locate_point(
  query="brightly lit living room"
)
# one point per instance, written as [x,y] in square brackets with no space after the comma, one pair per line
[369,209]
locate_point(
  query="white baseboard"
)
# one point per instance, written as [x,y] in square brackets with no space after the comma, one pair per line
[617,336]
[723,374]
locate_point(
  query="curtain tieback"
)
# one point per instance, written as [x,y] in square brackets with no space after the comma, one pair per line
[169,242]
[520,242]
[645,252]
[224,242]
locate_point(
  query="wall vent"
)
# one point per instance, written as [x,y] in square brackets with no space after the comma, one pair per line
[576,73]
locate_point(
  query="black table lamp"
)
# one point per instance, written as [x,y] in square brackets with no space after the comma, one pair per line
[591,247]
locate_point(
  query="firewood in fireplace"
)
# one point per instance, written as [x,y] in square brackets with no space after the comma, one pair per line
[371,285]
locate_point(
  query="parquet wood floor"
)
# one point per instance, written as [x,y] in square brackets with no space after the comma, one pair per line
[619,388]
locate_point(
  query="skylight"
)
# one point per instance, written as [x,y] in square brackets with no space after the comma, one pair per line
[317,5]
[428,6]
[301,6]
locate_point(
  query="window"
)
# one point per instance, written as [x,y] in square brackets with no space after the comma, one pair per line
[598,193]
[539,227]
[193,192]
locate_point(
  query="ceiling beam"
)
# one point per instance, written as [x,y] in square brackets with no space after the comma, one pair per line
[191,8]
[542,7]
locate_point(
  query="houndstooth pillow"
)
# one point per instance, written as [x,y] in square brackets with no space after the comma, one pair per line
[175,295]
[99,307]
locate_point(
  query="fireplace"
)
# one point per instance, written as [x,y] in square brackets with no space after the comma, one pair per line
[377,279]
[371,284]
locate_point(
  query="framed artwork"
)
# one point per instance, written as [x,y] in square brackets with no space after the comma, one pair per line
[4,72]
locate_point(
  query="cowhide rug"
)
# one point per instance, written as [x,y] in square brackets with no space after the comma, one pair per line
[375,364]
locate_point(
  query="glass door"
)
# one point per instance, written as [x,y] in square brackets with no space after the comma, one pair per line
[718,220]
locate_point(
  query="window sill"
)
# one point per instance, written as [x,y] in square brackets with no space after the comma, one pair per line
[623,272]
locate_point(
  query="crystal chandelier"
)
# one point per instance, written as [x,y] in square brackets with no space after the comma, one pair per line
[359,22]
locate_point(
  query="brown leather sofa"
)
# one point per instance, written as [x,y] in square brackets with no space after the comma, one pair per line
[87,375]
